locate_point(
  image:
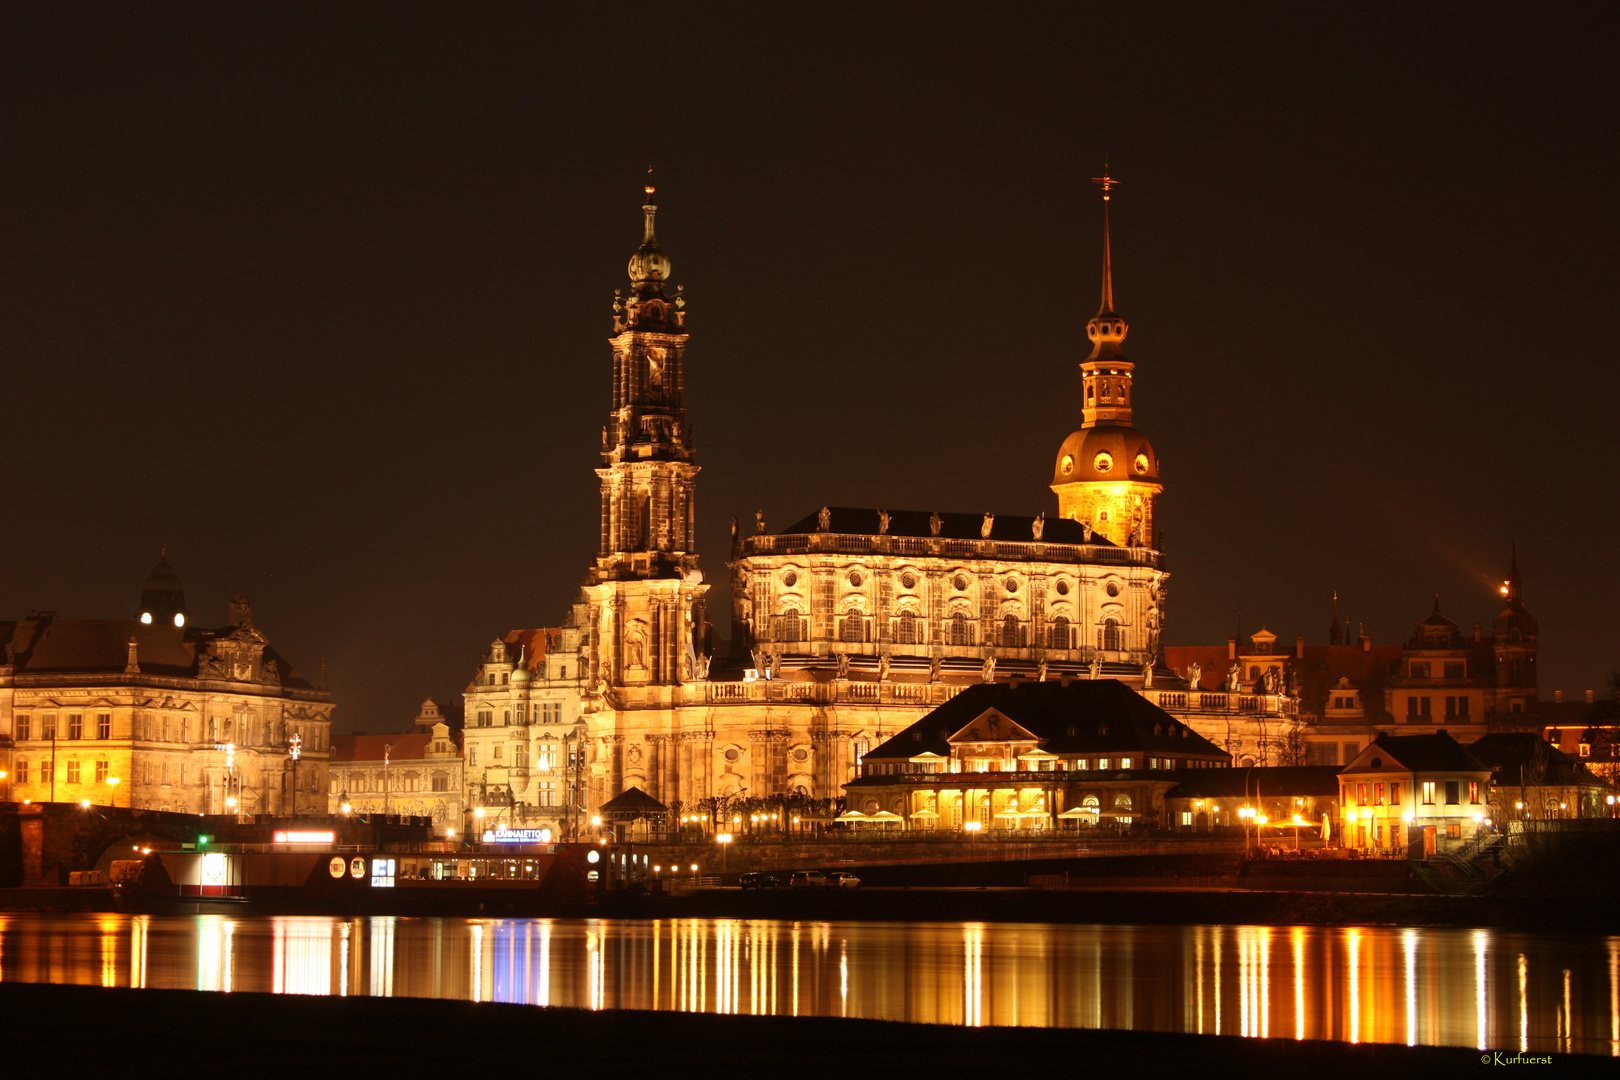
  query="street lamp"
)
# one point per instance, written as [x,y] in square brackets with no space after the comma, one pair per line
[724,840]
[295,748]
[1246,813]
[112,782]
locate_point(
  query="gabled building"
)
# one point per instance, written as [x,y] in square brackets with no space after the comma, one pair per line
[1425,793]
[1033,755]
[524,736]
[416,773]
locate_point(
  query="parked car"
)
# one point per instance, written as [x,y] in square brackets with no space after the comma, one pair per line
[807,879]
[757,880]
[839,879]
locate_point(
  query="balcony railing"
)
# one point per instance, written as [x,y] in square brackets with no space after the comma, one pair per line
[828,693]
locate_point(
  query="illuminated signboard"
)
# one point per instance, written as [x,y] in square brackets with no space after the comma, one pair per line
[289,837]
[517,836]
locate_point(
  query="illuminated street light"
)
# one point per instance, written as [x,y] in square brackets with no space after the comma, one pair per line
[724,840]
[112,782]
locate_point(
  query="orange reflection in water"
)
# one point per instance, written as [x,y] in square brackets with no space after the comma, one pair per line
[1483,989]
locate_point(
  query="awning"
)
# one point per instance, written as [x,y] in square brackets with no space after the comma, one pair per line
[885,815]
[851,815]
[1079,811]
[924,814]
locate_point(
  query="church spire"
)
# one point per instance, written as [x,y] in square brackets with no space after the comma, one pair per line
[1106,182]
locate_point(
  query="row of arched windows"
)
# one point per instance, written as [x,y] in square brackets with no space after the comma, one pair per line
[959,629]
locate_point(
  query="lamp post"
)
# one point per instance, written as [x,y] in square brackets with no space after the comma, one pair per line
[1246,813]
[295,749]
[724,840]
[112,784]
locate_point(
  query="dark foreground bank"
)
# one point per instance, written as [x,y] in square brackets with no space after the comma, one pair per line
[90,1031]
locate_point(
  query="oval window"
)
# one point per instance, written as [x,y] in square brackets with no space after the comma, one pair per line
[1103,462]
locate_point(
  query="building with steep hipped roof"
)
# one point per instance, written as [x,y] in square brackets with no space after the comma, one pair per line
[158,713]
[1033,755]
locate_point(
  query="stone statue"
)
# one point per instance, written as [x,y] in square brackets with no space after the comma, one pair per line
[989,523]
[1293,683]
[1269,680]
[883,523]
[773,665]
[824,518]
[1096,667]
[701,668]
[843,664]
[989,669]
[759,658]
[1085,529]
[1147,675]
[759,521]
[637,649]
[933,669]
[1195,672]
[883,667]
[1040,671]
[733,532]
[934,522]
[1234,678]
[1038,526]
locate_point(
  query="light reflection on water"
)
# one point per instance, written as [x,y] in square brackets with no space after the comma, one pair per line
[1486,989]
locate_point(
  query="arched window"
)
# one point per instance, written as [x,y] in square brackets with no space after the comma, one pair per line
[1058,636]
[789,626]
[1112,639]
[905,629]
[961,630]
[1012,633]
[852,627]
[1122,802]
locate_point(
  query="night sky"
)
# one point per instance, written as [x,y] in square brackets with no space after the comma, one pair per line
[318,295]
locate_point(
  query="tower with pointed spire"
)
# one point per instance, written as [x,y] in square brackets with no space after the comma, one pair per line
[1107,474]
[1513,641]
[645,585]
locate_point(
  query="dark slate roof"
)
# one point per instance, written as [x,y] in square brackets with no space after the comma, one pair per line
[1544,764]
[101,646]
[1259,781]
[1106,717]
[1438,752]
[632,802]
[1006,527]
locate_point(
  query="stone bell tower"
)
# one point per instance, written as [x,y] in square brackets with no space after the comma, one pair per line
[1107,474]
[645,589]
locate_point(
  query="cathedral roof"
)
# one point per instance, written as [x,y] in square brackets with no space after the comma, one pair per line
[1008,527]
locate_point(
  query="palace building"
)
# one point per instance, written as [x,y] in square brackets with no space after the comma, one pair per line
[847,626]
[158,713]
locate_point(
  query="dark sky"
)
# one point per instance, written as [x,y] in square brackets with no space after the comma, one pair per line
[319,296]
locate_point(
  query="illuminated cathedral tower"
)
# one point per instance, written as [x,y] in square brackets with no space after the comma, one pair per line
[1107,474]
[645,586]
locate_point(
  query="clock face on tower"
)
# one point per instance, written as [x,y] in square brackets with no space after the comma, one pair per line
[1103,462]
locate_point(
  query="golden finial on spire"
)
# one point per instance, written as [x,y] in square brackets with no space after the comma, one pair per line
[650,188]
[1104,181]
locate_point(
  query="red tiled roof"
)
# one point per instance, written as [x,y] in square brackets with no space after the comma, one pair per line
[404,746]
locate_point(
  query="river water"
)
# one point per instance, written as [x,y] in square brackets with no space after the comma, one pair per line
[1492,990]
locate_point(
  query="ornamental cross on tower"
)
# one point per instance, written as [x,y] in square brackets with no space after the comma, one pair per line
[1105,182]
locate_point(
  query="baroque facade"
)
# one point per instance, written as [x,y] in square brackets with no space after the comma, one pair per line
[416,773]
[182,717]
[847,626]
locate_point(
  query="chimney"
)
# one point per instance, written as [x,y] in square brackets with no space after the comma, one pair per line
[1589,697]
[1231,648]
[1558,696]
[1299,646]
[1476,632]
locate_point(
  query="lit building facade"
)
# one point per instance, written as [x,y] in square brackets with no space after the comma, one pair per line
[416,773]
[847,626]
[157,713]
[1427,791]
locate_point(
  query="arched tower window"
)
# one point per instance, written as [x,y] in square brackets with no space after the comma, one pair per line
[1112,639]
[961,631]
[852,627]
[1012,634]
[905,629]
[1058,638]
